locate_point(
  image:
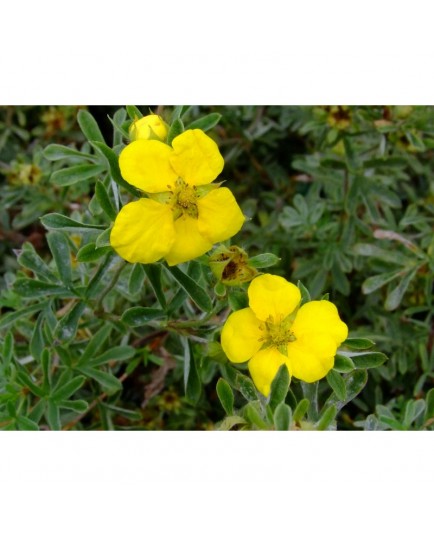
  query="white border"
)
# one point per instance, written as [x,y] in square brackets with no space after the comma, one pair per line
[217,52]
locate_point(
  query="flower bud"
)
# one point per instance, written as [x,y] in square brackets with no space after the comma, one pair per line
[231,266]
[150,127]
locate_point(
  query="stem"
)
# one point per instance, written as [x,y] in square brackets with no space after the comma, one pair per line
[310,391]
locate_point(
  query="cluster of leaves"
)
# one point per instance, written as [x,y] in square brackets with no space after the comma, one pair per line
[344,195]
[88,341]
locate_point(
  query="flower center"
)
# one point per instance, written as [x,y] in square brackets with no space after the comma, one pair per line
[278,334]
[184,200]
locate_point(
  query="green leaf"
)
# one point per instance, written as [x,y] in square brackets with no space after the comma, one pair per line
[337,383]
[74,174]
[64,392]
[176,302]
[89,126]
[63,223]
[327,418]
[32,288]
[192,382]
[25,380]
[59,246]
[37,342]
[279,387]
[104,200]
[196,293]
[226,396]
[264,260]
[178,112]
[429,405]
[301,410]
[24,423]
[95,343]
[115,171]
[206,123]
[358,344]
[10,318]
[38,410]
[133,112]
[118,131]
[153,273]
[305,295]
[127,413]
[8,348]
[354,382]
[108,382]
[79,406]
[395,296]
[103,239]
[110,262]
[416,141]
[343,364]
[140,316]
[229,422]
[377,281]
[369,250]
[46,369]
[28,258]
[90,252]
[252,414]
[413,409]
[118,353]
[176,128]
[237,300]
[369,360]
[137,279]
[246,387]
[56,152]
[350,154]
[216,353]
[52,415]
[67,327]
[282,417]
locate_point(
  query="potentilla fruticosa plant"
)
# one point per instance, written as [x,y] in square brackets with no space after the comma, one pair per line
[152,268]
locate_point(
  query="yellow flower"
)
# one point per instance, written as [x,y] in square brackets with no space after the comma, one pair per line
[184,214]
[148,127]
[274,331]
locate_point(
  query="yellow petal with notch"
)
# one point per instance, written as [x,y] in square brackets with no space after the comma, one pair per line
[189,243]
[220,217]
[273,296]
[312,356]
[320,316]
[143,231]
[146,165]
[263,368]
[196,157]
[241,335]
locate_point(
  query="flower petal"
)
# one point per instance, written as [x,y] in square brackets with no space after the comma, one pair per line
[146,165]
[143,231]
[312,356]
[263,368]
[272,295]
[241,335]
[220,217]
[320,316]
[189,243]
[196,157]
